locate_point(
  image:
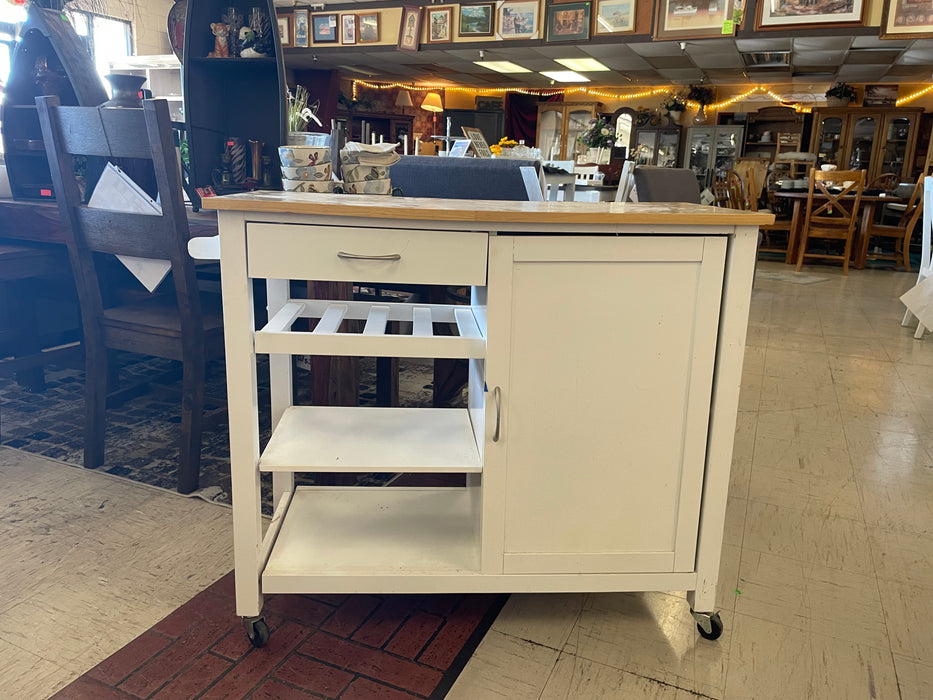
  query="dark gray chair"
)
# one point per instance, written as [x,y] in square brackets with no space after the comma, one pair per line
[653,184]
[462,178]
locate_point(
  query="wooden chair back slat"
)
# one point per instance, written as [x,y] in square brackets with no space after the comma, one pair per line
[104,131]
[123,233]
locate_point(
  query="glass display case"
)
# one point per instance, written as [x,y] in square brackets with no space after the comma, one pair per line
[712,148]
[559,125]
[878,140]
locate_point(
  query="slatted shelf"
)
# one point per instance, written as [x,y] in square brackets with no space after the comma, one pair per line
[278,336]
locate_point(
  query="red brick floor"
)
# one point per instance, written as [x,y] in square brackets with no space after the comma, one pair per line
[351,647]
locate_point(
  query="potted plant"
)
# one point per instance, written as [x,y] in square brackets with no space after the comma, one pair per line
[598,138]
[840,95]
[704,96]
[674,105]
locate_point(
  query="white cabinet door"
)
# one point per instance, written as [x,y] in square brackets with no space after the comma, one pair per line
[605,373]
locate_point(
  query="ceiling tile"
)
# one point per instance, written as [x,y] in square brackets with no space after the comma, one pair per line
[670,61]
[818,58]
[871,56]
[747,45]
[861,74]
[718,60]
[823,43]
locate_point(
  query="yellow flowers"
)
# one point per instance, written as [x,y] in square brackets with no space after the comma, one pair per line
[504,142]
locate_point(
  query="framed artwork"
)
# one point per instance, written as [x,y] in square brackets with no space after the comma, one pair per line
[324,28]
[477,20]
[614,16]
[686,19]
[911,19]
[369,27]
[439,21]
[285,36]
[518,19]
[568,21]
[478,141]
[780,14]
[460,148]
[348,29]
[880,95]
[301,28]
[409,32]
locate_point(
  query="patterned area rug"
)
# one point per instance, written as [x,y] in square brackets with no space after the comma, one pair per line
[352,647]
[789,277]
[142,434]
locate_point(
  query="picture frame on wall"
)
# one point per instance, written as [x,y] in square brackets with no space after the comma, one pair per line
[681,19]
[285,36]
[569,21]
[477,20]
[348,31]
[517,19]
[902,19]
[774,14]
[301,28]
[614,16]
[409,31]
[880,95]
[440,20]
[324,28]
[369,27]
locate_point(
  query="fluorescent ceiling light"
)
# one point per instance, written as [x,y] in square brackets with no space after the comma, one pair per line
[502,66]
[565,76]
[586,65]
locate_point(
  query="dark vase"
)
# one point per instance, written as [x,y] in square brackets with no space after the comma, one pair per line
[125,90]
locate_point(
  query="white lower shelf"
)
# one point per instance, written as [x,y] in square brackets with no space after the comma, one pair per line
[372,532]
[353,439]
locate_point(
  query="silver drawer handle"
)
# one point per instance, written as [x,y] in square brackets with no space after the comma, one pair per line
[354,256]
[496,393]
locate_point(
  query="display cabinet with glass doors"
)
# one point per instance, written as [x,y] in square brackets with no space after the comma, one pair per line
[712,148]
[878,140]
[559,125]
[648,139]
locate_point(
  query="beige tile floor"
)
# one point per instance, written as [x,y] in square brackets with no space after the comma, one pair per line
[826,585]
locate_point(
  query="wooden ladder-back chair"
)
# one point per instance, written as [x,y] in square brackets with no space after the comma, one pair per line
[783,220]
[833,200]
[173,324]
[900,233]
[729,190]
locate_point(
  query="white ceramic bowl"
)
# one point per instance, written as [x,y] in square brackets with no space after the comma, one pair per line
[369,187]
[308,172]
[828,167]
[360,173]
[301,156]
[310,185]
[307,138]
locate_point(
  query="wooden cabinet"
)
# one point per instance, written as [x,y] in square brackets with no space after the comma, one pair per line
[559,125]
[596,443]
[775,130]
[49,60]
[656,142]
[874,139]
[230,97]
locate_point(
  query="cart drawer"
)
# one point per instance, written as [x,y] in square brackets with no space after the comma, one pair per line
[384,255]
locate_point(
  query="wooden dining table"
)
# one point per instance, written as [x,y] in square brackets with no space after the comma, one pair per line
[867,209]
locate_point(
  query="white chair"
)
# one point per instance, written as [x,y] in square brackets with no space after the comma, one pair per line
[587,174]
[926,266]
[557,184]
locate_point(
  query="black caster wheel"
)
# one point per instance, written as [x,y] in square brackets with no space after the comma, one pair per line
[715,625]
[257,631]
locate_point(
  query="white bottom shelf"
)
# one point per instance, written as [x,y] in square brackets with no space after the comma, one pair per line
[352,439]
[372,532]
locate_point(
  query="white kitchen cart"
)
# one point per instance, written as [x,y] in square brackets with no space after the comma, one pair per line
[605,344]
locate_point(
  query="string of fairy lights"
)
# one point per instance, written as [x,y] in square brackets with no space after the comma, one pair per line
[616,96]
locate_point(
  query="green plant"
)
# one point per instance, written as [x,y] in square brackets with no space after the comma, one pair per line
[700,94]
[843,91]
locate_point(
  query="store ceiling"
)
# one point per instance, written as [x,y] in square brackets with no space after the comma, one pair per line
[810,62]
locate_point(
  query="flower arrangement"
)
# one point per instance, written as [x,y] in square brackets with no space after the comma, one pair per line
[598,134]
[841,91]
[673,103]
[701,94]
[504,143]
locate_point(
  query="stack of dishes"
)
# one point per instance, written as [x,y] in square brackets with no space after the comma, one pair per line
[366,168]
[307,169]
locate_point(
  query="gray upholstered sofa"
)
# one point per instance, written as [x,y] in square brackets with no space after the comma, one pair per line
[461,178]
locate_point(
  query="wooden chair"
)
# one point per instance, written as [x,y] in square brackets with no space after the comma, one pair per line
[174,324]
[729,190]
[771,240]
[832,214]
[886,182]
[754,173]
[900,232]
[654,184]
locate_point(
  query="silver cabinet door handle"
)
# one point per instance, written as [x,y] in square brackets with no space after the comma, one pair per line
[354,256]
[496,395]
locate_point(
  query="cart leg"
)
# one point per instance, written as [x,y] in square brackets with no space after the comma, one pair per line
[257,630]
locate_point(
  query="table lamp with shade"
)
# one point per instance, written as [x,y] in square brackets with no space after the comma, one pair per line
[432,103]
[403,100]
